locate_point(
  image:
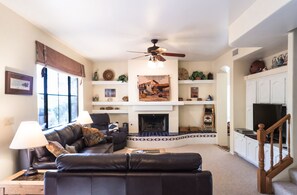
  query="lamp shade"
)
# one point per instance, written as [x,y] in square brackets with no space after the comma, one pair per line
[84,118]
[28,135]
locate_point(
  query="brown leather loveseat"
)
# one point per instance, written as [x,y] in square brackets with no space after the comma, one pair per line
[128,174]
[71,135]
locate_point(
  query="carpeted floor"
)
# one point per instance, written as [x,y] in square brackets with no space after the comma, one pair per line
[231,174]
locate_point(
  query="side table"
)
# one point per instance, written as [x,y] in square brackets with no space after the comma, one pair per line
[22,185]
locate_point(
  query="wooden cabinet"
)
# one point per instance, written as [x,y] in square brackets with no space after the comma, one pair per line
[265,87]
[263,90]
[278,89]
[251,98]
[240,144]
[248,149]
[252,151]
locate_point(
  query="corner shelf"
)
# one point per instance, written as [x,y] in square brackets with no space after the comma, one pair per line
[110,103]
[190,82]
[198,102]
[109,83]
[111,111]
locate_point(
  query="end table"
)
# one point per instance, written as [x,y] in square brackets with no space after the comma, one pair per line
[20,184]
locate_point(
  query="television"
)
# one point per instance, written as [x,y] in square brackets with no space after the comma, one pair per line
[268,114]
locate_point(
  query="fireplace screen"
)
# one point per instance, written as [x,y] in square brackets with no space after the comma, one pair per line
[153,122]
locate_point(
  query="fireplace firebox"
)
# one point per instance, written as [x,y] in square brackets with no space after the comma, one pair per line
[153,122]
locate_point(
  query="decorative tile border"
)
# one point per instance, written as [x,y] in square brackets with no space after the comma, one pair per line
[171,138]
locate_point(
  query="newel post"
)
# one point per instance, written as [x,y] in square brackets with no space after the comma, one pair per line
[261,174]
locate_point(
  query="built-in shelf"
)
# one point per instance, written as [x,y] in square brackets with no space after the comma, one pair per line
[189,82]
[169,103]
[267,73]
[111,111]
[198,102]
[110,103]
[109,83]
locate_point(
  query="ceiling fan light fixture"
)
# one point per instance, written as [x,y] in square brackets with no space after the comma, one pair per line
[151,63]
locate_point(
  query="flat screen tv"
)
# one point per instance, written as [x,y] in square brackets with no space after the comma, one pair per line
[268,114]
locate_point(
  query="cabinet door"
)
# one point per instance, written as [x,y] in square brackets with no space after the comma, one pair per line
[278,89]
[252,151]
[251,98]
[240,144]
[263,90]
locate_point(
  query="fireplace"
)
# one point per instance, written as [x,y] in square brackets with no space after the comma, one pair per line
[153,122]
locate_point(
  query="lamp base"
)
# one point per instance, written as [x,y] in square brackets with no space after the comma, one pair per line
[31,171]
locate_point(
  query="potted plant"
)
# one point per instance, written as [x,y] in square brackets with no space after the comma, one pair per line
[123,78]
[197,75]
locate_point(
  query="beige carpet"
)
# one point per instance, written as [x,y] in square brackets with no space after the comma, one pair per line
[231,174]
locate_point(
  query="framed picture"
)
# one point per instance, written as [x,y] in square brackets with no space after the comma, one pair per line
[194,92]
[18,84]
[154,88]
[110,92]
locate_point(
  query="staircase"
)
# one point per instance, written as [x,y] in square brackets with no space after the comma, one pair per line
[286,187]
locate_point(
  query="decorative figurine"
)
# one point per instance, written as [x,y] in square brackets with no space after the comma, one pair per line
[95,77]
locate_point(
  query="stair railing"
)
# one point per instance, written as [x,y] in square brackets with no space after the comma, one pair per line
[264,178]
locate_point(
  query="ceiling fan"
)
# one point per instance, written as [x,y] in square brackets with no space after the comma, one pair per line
[156,53]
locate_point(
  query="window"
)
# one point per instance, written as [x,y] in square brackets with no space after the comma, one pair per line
[57,97]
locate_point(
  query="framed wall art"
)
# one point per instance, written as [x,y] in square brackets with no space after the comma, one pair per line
[110,92]
[154,88]
[18,84]
[194,92]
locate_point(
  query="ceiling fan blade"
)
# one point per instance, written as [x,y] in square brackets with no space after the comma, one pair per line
[160,58]
[138,52]
[140,56]
[161,50]
[174,54]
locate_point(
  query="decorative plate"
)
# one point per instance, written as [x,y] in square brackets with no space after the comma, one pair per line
[108,75]
[183,74]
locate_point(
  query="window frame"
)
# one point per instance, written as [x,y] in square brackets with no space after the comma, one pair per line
[46,97]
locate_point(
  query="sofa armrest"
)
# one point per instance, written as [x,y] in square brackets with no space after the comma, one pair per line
[108,138]
[123,129]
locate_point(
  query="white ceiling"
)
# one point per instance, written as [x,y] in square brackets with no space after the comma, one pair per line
[103,30]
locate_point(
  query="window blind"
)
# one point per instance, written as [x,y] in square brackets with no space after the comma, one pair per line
[50,57]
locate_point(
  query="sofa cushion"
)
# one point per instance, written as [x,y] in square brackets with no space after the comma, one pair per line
[42,153]
[113,127]
[92,136]
[77,131]
[70,149]
[166,162]
[56,148]
[98,148]
[96,162]
[79,144]
[66,134]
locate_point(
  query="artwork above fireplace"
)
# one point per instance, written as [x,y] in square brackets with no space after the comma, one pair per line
[153,122]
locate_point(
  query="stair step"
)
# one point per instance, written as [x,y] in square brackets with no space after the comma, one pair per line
[284,187]
[293,175]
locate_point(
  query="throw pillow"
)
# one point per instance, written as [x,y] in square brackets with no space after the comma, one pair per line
[92,136]
[70,149]
[113,127]
[56,148]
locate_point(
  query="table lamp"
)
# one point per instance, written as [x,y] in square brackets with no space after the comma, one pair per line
[28,136]
[84,118]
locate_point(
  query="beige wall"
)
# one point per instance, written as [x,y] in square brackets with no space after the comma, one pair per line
[17,53]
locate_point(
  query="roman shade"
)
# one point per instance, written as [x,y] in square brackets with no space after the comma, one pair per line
[50,57]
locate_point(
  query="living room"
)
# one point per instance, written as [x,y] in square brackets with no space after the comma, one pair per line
[252,36]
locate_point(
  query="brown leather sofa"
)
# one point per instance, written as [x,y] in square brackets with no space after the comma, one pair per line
[129,174]
[70,134]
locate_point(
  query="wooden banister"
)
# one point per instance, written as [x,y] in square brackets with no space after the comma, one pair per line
[265,177]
